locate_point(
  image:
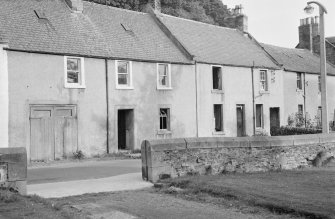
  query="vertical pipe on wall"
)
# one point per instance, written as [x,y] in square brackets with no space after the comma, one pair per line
[253,98]
[107,106]
[305,98]
[196,99]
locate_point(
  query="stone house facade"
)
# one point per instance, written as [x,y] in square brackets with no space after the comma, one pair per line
[76,75]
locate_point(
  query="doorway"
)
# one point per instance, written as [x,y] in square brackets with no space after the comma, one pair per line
[125,120]
[240,118]
[274,117]
[53,132]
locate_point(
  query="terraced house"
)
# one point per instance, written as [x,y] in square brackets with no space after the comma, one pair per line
[76,75]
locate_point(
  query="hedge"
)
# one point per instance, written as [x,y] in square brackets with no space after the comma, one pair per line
[287,130]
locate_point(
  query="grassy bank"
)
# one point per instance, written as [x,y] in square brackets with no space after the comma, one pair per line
[15,206]
[308,193]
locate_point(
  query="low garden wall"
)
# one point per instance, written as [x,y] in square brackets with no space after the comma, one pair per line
[13,169]
[184,156]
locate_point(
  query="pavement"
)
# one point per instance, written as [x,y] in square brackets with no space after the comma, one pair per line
[77,178]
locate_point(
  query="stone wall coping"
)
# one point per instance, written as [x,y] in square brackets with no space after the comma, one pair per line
[237,142]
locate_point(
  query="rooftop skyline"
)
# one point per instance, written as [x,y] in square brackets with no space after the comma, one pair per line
[276,22]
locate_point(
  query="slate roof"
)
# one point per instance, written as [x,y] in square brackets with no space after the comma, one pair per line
[97,32]
[215,44]
[297,60]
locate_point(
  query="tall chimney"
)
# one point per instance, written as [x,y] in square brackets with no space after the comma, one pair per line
[308,30]
[237,19]
[75,5]
[156,5]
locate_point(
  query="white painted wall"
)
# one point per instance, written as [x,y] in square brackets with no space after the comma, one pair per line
[4,98]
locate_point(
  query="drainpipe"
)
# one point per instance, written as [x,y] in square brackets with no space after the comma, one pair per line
[253,98]
[107,105]
[196,99]
[305,98]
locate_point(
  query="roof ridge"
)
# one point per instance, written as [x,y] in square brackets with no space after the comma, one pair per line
[113,8]
[199,22]
[283,47]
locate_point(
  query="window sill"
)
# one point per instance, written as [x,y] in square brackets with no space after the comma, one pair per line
[125,88]
[218,133]
[164,88]
[73,86]
[264,92]
[163,132]
[215,91]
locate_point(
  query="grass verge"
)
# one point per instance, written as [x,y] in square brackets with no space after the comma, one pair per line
[308,193]
[13,205]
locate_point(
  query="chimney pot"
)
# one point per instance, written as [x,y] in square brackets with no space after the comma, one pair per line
[75,5]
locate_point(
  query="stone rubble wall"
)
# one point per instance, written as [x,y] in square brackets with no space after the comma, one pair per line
[179,157]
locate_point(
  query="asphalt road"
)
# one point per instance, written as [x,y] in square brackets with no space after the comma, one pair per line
[82,171]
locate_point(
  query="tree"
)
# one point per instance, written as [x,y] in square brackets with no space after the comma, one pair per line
[207,11]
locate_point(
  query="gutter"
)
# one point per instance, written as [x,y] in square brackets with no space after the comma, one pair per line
[196,99]
[107,104]
[97,57]
[253,100]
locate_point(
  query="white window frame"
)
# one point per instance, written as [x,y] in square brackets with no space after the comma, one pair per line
[81,83]
[124,86]
[159,86]
[266,81]
[217,90]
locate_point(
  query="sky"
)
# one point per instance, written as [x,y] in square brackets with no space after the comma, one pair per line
[276,21]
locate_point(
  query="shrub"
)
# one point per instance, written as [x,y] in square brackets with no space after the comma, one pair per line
[293,131]
[78,155]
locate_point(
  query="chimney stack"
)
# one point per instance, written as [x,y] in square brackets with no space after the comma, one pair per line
[308,30]
[75,5]
[156,5]
[237,19]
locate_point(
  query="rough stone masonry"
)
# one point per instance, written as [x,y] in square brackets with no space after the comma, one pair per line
[179,157]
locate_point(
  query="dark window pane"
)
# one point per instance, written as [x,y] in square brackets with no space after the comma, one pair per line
[218,117]
[73,64]
[123,79]
[217,78]
[72,77]
[164,119]
[122,67]
[163,80]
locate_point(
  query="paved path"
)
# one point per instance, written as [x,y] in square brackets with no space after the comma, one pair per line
[68,179]
[60,172]
[123,182]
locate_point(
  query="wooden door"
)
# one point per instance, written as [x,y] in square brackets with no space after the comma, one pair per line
[240,120]
[41,134]
[53,132]
[65,131]
[274,117]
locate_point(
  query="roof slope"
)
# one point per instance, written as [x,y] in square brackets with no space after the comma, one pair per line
[216,45]
[331,40]
[297,60]
[95,32]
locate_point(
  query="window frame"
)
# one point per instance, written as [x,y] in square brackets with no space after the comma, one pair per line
[222,120]
[262,116]
[81,80]
[128,86]
[299,84]
[266,80]
[159,86]
[220,84]
[168,119]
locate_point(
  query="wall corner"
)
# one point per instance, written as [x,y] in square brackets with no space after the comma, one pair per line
[4,96]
